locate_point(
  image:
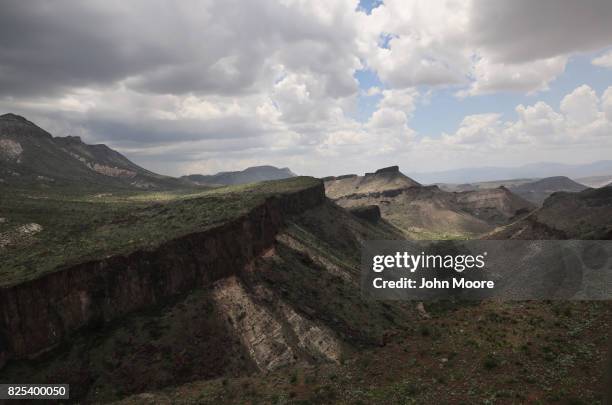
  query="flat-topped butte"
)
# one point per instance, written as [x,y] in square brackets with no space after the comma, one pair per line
[81,227]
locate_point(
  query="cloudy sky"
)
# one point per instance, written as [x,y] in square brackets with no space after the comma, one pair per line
[321,86]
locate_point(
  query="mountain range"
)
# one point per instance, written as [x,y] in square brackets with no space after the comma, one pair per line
[31,156]
[534,190]
[248,175]
[530,171]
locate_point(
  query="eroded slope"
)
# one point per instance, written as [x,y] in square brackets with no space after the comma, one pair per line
[296,303]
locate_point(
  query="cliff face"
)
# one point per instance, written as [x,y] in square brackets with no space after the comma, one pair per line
[37,315]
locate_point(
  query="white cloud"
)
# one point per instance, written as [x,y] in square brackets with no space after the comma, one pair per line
[373,91]
[537,121]
[475,129]
[580,107]
[425,43]
[527,77]
[581,119]
[403,100]
[604,60]
[485,46]
[606,103]
[389,123]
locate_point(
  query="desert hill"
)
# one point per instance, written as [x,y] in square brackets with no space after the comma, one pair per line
[427,211]
[388,178]
[539,190]
[30,156]
[248,175]
[564,215]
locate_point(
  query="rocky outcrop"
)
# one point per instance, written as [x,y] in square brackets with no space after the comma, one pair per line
[370,213]
[273,336]
[18,235]
[496,206]
[388,178]
[37,315]
[10,150]
[390,169]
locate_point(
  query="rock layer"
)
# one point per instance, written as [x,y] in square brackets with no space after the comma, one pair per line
[37,315]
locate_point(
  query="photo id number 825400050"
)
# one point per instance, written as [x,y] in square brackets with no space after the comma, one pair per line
[34,391]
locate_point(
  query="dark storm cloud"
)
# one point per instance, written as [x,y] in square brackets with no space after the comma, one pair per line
[202,47]
[522,30]
[151,132]
[46,47]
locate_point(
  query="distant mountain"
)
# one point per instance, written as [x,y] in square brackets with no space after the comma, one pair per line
[427,212]
[540,190]
[595,181]
[536,170]
[483,185]
[30,156]
[248,175]
[534,190]
[583,215]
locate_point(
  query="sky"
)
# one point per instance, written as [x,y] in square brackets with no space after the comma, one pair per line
[324,87]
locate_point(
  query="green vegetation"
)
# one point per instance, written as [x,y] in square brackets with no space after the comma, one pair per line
[461,352]
[474,354]
[78,226]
